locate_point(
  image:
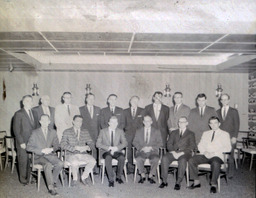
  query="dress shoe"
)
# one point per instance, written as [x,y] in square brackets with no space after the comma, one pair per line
[177,187]
[142,179]
[213,189]
[163,185]
[194,186]
[74,183]
[53,192]
[151,180]
[111,184]
[120,181]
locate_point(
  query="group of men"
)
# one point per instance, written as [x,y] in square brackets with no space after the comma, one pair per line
[192,136]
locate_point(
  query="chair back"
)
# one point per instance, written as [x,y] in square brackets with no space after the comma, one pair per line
[9,145]
[2,139]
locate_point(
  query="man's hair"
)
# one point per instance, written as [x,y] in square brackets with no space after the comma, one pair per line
[62,97]
[87,95]
[225,94]
[178,92]
[26,96]
[112,95]
[214,118]
[134,97]
[113,118]
[77,116]
[183,117]
[201,95]
[147,116]
[44,115]
[157,92]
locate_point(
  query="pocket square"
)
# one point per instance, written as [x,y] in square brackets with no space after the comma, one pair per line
[139,116]
[118,114]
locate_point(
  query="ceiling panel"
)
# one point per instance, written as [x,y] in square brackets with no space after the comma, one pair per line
[24,44]
[88,36]
[233,46]
[235,38]
[20,36]
[148,46]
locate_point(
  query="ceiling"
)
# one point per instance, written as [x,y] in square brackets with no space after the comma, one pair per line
[132,36]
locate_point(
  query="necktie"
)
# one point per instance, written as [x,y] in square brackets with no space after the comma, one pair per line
[133,113]
[224,113]
[112,110]
[201,111]
[31,116]
[176,109]
[91,114]
[157,112]
[68,110]
[180,133]
[112,138]
[77,135]
[213,135]
[147,136]
[45,134]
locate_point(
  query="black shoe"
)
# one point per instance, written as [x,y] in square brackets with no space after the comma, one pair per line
[163,185]
[111,184]
[120,181]
[213,189]
[151,180]
[53,192]
[177,187]
[194,186]
[142,179]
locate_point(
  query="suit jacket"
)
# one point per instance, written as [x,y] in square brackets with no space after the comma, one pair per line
[161,123]
[104,140]
[231,123]
[63,120]
[69,140]
[39,111]
[186,144]
[22,126]
[91,124]
[106,114]
[37,142]
[183,110]
[155,140]
[132,124]
[199,124]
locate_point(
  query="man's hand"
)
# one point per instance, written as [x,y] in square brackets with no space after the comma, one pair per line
[84,148]
[233,140]
[113,150]
[23,146]
[47,150]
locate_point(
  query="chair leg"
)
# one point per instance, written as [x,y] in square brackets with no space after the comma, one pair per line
[236,159]
[6,160]
[69,176]
[187,176]
[38,179]
[251,162]
[103,173]
[218,184]
[243,159]
[135,173]
[61,178]
[125,173]
[92,176]
[13,163]
[1,166]
[158,174]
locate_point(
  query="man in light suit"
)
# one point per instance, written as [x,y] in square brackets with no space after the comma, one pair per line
[230,122]
[64,114]
[112,110]
[112,141]
[23,124]
[178,110]
[133,120]
[44,143]
[44,108]
[180,145]
[198,119]
[159,114]
[147,142]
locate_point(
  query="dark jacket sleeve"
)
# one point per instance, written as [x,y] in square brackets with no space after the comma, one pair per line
[17,127]
[32,144]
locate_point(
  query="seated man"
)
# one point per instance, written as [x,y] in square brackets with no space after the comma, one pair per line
[111,141]
[211,146]
[180,145]
[147,142]
[44,142]
[77,142]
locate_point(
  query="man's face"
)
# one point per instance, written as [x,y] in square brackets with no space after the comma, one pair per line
[134,102]
[112,101]
[201,102]
[177,98]
[67,98]
[78,122]
[45,101]
[224,100]
[28,102]
[158,98]
[90,100]
[147,121]
[113,123]
[214,124]
[44,121]
[182,123]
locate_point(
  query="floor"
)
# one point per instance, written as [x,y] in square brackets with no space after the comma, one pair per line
[242,185]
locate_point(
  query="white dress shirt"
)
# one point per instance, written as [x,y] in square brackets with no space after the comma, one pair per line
[157,109]
[222,111]
[90,109]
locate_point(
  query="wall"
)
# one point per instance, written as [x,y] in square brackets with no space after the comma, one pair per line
[124,85]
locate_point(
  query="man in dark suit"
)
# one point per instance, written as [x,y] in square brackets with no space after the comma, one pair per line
[178,110]
[230,122]
[23,124]
[44,108]
[180,145]
[198,119]
[44,143]
[159,114]
[133,120]
[111,110]
[112,141]
[147,142]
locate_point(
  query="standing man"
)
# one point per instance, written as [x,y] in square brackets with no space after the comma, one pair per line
[44,143]
[178,110]
[77,142]
[133,120]
[211,146]
[180,145]
[23,124]
[230,122]
[198,118]
[147,142]
[111,141]
[159,114]
[64,114]
[44,108]
[112,110]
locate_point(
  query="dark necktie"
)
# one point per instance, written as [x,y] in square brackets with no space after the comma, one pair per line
[112,138]
[133,113]
[31,116]
[176,109]
[147,136]
[68,110]
[180,133]
[201,111]
[112,110]
[224,113]
[77,134]
[213,135]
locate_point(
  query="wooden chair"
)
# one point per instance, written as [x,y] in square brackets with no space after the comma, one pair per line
[101,163]
[250,151]
[2,146]
[10,152]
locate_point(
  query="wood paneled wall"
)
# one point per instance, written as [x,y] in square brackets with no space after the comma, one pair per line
[124,85]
